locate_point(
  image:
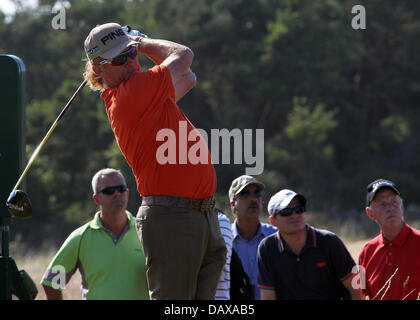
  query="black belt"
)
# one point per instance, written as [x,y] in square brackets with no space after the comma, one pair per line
[203,205]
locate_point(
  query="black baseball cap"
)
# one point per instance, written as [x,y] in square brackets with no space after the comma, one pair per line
[376,185]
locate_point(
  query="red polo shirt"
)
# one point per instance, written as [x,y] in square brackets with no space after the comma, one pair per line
[138,109]
[381,258]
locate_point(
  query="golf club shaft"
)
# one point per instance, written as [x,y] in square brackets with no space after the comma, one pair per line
[35,153]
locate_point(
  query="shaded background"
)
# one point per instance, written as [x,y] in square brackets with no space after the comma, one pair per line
[339,107]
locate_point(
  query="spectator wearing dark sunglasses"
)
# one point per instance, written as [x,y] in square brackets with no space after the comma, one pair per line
[106,251]
[245,195]
[300,262]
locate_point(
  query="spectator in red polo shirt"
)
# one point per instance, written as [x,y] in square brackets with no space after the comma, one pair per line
[392,259]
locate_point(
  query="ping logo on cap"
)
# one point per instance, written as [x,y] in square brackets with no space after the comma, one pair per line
[112,35]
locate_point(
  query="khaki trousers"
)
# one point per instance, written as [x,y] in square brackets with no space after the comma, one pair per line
[184,249]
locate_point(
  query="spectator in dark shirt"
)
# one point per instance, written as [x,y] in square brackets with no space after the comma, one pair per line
[300,262]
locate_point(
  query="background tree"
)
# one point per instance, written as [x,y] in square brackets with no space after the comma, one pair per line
[339,107]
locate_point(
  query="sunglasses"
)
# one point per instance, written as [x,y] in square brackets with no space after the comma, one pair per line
[287,212]
[122,58]
[246,193]
[111,190]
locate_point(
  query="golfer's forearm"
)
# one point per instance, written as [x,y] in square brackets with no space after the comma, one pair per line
[184,84]
[176,57]
[159,50]
[152,50]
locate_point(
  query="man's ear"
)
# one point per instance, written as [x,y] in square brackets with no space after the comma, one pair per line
[95,197]
[232,204]
[271,218]
[369,213]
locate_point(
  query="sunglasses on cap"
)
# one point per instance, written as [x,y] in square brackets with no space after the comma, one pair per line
[122,58]
[111,190]
[287,212]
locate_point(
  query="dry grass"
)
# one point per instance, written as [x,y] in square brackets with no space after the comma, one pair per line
[35,264]
[354,248]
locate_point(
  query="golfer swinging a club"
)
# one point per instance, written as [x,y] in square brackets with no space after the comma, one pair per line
[177,224]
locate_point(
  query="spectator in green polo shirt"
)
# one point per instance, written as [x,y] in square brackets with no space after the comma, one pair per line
[106,251]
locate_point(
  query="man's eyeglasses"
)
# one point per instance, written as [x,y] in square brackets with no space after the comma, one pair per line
[122,58]
[394,204]
[111,190]
[287,212]
[244,194]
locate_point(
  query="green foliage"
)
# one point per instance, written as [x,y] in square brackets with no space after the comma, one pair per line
[309,128]
[303,153]
[358,119]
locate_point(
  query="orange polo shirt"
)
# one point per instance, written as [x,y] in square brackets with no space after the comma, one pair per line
[381,258]
[138,109]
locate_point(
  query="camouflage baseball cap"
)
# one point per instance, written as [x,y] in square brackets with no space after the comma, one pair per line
[106,41]
[242,182]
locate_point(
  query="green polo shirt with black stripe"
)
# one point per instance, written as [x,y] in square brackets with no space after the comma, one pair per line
[111,268]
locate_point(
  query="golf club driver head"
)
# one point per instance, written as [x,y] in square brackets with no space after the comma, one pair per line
[19,205]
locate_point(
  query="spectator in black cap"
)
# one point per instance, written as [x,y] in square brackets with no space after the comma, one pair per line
[300,262]
[391,261]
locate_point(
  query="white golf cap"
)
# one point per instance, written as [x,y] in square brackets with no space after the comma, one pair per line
[282,199]
[106,41]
